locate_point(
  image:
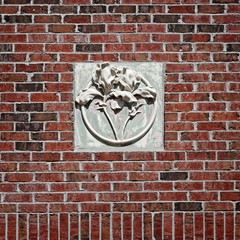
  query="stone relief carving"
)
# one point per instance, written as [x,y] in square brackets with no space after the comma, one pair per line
[120,97]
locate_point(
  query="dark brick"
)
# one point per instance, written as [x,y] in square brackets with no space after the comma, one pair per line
[29,146]
[122,9]
[233,47]
[188,206]
[106,1]
[14,117]
[210,28]
[43,116]
[12,57]
[29,127]
[173,176]
[91,28]
[18,19]
[5,47]
[46,1]
[238,206]
[92,9]
[166,18]
[180,28]
[29,87]
[17,1]
[89,48]
[63,9]
[30,107]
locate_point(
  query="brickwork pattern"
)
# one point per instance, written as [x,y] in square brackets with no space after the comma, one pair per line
[188,191]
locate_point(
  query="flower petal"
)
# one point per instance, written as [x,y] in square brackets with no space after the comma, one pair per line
[125,95]
[147,92]
[103,76]
[87,95]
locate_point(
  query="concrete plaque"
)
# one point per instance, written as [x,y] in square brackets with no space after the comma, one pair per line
[119,106]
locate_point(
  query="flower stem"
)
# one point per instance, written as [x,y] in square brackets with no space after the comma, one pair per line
[111,123]
[125,125]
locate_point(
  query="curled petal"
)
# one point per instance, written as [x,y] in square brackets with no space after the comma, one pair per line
[128,79]
[147,92]
[125,95]
[87,95]
[103,76]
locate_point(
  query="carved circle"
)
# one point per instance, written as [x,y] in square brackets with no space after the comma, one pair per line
[113,142]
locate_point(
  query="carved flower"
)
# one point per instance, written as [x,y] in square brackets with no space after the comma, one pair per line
[118,87]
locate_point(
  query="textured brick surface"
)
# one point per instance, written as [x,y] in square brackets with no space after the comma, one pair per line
[188,191]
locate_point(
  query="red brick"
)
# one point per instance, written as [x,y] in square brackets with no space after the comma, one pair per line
[151,196]
[95,207]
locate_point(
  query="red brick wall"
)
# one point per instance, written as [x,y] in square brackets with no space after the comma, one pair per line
[190,189]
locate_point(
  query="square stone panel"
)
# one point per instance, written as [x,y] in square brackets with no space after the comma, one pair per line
[119,106]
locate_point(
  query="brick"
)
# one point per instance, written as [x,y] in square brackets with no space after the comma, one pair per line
[89,48]
[180,28]
[115,176]
[198,37]
[18,177]
[188,206]
[30,107]
[63,9]
[93,9]
[12,57]
[211,8]
[133,57]
[118,28]
[6,48]
[29,126]
[29,146]
[150,9]
[143,176]
[81,197]
[29,87]
[47,19]
[226,38]
[173,176]
[209,47]
[18,197]
[43,117]
[76,19]
[61,28]
[8,9]
[14,136]
[218,206]
[18,19]
[46,2]
[107,18]
[94,28]
[95,207]
[127,207]
[196,19]
[142,197]
[42,38]
[33,208]
[166,37]
[160,18]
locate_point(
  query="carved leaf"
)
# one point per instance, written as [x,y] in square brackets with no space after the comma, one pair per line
[147,92]
[87,95]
